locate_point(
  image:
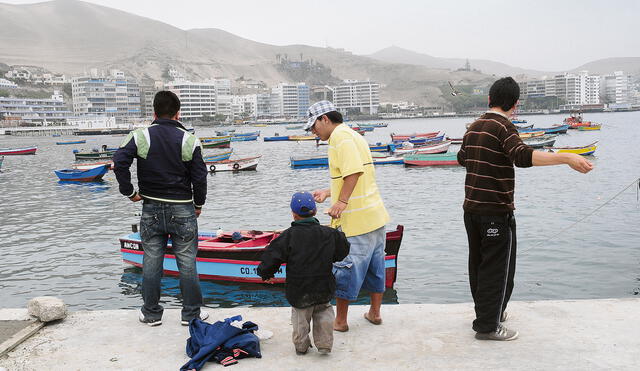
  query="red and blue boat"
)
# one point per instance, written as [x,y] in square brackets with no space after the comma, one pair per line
[221,258]
[71,142]
[89,175]
[18,151]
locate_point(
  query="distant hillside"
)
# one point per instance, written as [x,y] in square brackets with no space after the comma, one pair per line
[629,65]
[72,36]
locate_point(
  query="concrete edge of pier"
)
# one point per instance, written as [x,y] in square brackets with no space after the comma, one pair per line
[554,335]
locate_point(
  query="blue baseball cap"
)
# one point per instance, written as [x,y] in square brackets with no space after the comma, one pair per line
[303,204]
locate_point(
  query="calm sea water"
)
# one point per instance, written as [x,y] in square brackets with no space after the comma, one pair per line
[62,239]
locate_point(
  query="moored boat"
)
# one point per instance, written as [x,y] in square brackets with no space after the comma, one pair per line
[441,147]
[587,150]
[302,137]
[89,175]
[221,258]
[309,162]
[276,138]
[94,154]
[240,164]
[18,151]
[558,129]
[382,147]
[421,141]
[223,141]
[375,125]
[388,160]
[443,159]
[91,165]
[541,142]
[72,142]
[531,134]
[590,127]
[404,137]
[218,156]
[244,138]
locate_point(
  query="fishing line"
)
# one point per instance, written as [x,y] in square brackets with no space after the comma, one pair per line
[636,181]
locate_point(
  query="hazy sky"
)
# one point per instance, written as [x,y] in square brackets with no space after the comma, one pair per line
[544,34]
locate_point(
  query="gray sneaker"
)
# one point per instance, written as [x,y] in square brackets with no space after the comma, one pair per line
[324,351]
[203,316]
[150,322]
[501,334]
[504,317]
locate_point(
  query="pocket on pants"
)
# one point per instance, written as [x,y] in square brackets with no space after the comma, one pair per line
[185,227]
[342,273]
[148,225]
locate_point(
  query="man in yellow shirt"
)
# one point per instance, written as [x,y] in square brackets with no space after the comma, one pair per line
[357,209]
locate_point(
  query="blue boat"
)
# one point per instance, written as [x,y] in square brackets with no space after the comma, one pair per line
[420,140]
[244,138]
[516,121]
[389,160]
[277,138]
[382,147]
[218,157]
[560,129]
[91,175]
[72,142]
[251,134]
[309,162]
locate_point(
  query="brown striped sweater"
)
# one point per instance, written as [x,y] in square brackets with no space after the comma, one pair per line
[490,148]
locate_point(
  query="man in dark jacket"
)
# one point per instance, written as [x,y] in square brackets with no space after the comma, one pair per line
[490,148]
[309,249]
[172,181]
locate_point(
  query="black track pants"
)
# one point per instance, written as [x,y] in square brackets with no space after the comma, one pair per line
[492,265]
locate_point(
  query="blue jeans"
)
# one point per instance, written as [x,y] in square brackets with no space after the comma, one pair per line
[363,267]
[159,221]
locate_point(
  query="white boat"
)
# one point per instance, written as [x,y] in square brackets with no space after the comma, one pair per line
[435,148]
[248,163]
[91,165]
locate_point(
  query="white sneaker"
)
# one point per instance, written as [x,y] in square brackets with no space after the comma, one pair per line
[203,316]
[501,334]
[149,322]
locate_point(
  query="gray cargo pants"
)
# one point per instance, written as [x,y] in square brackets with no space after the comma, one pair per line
[323,316]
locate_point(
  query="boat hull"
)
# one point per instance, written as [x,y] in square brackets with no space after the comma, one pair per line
[275,139]
[446,159]
[241,164]
[71,142]
[90,175]
[584,150]
[240,265]
[18,151]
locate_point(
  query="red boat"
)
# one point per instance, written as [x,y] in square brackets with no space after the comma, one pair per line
[402,137]
[18,151]
[575,121]
[222,258]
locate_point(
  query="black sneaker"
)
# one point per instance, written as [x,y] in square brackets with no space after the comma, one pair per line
[150,322]
[500,334]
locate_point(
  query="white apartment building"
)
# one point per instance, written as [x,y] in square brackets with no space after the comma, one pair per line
[617,88]
[197,99]
[6,84]
[244,105]
[290,100]
[113,95]
[34,110]
[363,96]
[574,89]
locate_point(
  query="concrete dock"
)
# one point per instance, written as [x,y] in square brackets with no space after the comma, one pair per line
[554,335]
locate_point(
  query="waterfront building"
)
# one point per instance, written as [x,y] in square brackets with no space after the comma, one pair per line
[573,89]
[616,88]
[360,96]
[244,105]
[94,122]
[197,99]
[263,105]
[6,84]
[34,110]
[290,100]
[113,95]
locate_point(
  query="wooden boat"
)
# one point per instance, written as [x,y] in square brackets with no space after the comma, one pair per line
[94,154]
[309,162]
[454,140]
[244,138]
[587,150]
[18,151]
[298,138]
[404,137]
[375,125]
[388,160]
[531,134]
[559,129]
[218,156]
[590,127]
[443,159]
[294,127]
[249,134]
[216,142]
[221,258]
[441,147]
[517,121]
[523,126]
[90,175]
[240,164]
[226,132]
[359,131]
[541,142]
[91,165]
[71,142]
[421,141]
[260,125]
[276,138]
[382,147]
[362,128]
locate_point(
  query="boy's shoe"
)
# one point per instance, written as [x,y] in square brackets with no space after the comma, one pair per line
[150,322]
[324,350]
[303,352]
[504,317]
[501,334]
[203,316]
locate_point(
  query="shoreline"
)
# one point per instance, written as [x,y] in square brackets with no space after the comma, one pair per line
[571,334]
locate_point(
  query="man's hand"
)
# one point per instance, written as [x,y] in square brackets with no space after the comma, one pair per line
[579,163]
[336,210]
[136,198]
[321,194]
[198,212]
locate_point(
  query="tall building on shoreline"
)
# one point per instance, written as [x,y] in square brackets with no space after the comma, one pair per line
[290,100]
[112,95]
[360,96]
[197,99]
[573,89]
[617,88]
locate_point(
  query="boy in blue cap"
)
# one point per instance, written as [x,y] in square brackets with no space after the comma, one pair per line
[309,249]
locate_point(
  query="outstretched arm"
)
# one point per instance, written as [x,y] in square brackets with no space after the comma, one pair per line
[577,162]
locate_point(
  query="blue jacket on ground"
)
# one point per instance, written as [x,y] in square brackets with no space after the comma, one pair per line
[170,165]
[220,342]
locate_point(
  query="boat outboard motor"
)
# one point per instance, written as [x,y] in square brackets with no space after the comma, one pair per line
[104,148]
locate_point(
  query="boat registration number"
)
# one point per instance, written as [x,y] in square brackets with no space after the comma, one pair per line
[253,271]
[130,245]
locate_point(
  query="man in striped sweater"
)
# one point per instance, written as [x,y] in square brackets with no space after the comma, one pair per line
[490,149]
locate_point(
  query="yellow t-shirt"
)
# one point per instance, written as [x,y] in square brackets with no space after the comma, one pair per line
[349,154]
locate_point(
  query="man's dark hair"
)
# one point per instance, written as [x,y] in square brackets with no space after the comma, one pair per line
[504,93]
[166,104]
[334,116]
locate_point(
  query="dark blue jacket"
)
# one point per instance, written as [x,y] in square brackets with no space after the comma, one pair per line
[170,166]
[220,342]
